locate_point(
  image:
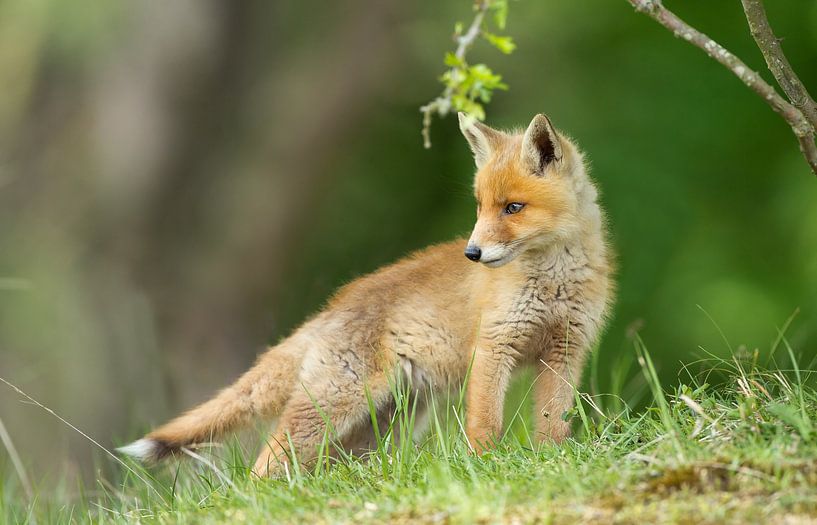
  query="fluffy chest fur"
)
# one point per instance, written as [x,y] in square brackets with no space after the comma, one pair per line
[546,295]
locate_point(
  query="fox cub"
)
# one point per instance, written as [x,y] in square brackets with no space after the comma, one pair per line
[537,295]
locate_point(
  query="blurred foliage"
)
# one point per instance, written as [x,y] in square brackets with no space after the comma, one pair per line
[181,183]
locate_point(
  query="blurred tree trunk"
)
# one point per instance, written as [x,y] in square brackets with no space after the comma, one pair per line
[233,173]
[204,135]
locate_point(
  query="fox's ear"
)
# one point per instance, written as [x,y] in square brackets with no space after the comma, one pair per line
[541,145]
[482,139]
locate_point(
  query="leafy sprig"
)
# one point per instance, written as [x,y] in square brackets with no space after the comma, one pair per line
[467,86]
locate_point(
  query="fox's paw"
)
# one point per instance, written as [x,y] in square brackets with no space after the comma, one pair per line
[268,465]
[554,431]
[481,442]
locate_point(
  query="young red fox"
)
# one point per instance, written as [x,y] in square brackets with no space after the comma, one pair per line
[539,296]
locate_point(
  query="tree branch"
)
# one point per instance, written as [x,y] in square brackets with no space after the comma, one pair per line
[442,104]
[778,64]
[809,149]
[800,125]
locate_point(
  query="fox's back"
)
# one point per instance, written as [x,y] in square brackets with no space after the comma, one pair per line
[421,308]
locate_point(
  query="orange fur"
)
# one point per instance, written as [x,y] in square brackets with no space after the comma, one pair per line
[540,298]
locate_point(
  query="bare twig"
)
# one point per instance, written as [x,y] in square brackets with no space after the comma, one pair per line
[786,78]
[778,64]
[809,149]
[442,104]
[800,125]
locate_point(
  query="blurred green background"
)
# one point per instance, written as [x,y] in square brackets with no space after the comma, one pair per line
[183,182]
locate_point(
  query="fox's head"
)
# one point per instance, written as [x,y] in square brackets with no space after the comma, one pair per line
[530,188]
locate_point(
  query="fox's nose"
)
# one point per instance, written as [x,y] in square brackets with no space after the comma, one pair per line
[473,253]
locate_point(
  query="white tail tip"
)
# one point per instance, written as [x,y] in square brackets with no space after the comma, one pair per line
[141,449]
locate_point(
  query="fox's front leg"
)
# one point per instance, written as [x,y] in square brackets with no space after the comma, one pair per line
[487,383]
[559,373]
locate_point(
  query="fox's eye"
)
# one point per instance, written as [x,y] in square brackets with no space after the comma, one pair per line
[514,207]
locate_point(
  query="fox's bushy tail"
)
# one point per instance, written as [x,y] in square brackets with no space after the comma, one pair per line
[261,392]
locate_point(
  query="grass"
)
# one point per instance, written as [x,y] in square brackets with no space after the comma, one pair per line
[741,449]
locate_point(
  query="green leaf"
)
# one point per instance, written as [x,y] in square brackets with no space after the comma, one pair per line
[483,76]
[466,105]
[504,43]
[500,9]
[451,60]
[454,77]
